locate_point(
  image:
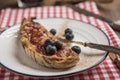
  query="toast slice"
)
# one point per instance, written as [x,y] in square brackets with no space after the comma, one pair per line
[33,36]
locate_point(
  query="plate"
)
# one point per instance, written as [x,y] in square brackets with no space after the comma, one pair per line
[12,55]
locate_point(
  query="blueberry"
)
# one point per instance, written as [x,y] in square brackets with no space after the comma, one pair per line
[69,36]
[77,49]
[50,50]
[48,42]
[53,31]
[68,30]
[58,44]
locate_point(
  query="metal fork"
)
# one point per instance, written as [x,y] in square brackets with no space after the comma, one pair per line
[113,49]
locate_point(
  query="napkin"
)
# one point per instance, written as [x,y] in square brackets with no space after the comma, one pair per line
[105,70]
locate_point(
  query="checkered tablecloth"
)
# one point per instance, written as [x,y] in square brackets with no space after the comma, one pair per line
[106,70]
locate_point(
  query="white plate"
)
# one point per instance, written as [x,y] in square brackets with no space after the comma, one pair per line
[13,58]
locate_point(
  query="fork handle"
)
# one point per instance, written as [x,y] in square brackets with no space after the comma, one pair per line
[104,47]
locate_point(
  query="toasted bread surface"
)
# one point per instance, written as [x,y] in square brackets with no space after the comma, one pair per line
[33,36]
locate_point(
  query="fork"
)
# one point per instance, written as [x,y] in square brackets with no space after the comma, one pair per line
[113,49]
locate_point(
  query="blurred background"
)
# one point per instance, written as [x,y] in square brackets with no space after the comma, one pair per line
[106,7]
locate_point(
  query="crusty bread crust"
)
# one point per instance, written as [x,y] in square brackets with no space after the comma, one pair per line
[52,61]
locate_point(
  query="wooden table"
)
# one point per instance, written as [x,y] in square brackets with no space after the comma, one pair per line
[111,11]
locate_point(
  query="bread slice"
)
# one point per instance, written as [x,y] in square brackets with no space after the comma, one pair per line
[32,35]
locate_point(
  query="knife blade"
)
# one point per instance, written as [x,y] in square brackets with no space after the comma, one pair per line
[114,25]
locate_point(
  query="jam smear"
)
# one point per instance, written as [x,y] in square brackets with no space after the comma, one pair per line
[41,49]
[36,34]
[64,51]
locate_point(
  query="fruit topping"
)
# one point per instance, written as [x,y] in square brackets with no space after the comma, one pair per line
[68,33]
[68,30]
[69,36]
[50,50]
[58,45]
[48,42]
[77,49]
[53,31]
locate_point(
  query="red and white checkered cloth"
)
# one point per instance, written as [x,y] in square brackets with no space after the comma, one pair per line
[107,70]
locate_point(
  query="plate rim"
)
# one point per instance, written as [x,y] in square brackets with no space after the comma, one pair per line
[67,74]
